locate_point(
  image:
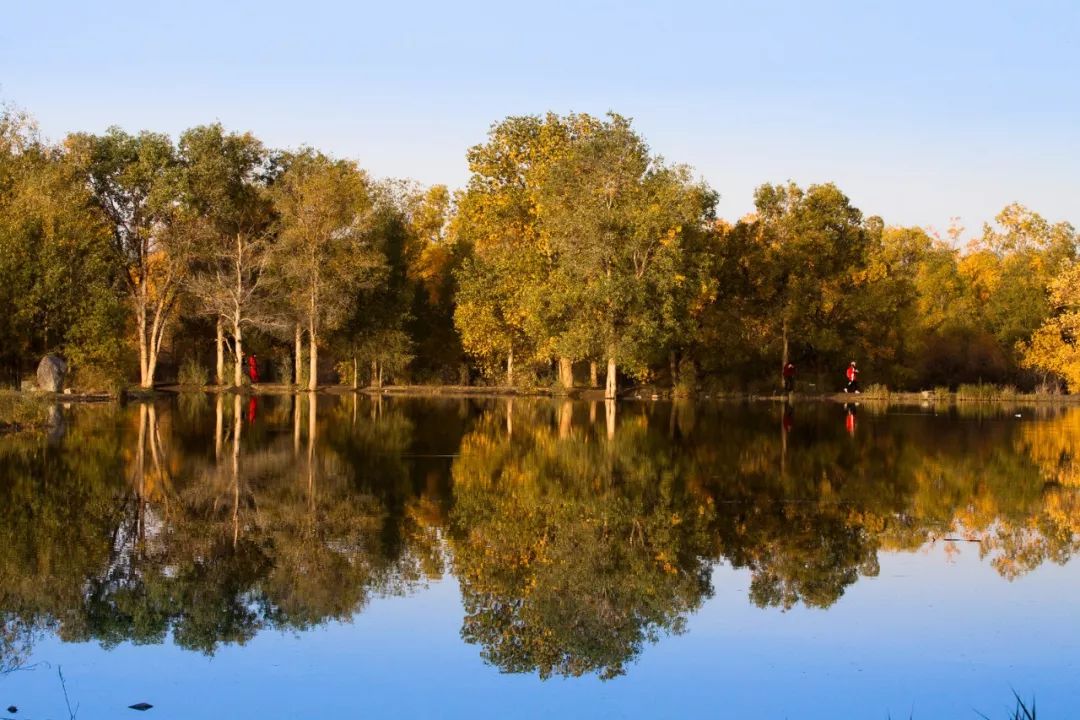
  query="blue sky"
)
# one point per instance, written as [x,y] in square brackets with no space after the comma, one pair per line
[920,111]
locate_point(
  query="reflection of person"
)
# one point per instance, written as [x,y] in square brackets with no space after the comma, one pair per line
[789,377]
[253,368]
[252,405]
[849,419]
[789,418]
[852,375]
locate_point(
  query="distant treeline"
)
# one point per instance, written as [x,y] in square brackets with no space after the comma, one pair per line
[572,246]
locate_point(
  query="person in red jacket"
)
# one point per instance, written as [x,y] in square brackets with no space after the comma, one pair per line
[852,378]
[253,368]
[789,377]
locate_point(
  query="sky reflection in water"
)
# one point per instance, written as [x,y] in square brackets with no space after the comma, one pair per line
[483,558]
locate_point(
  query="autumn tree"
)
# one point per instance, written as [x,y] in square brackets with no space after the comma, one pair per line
[812,247]
[617,220]
[1053,347]
[224,188]
[497,222]
[325,255]
[60,282]
[133,180]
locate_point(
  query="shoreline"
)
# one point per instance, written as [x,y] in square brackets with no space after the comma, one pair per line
[645,394]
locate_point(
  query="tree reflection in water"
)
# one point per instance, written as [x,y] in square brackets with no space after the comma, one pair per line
[578,533]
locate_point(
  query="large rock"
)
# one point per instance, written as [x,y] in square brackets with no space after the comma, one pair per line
[50,374]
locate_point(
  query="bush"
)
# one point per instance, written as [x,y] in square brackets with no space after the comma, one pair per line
[283,365]
[687,382]
[93,379]
[344,370]
[986,393]
[876,392]
[20,411]
[193,374]
[230,365]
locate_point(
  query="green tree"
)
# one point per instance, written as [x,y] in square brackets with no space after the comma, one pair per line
[812,246]
[59,277]
[224,187]
[133,180]
[325,254]
[618,221]
[497,223]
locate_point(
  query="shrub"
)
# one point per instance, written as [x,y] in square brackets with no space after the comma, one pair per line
[687,382]
[283,365]
[875,392]
[985,393]
[22,411]
[92,379]
[193,374]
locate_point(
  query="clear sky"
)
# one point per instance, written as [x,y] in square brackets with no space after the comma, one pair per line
[920,111]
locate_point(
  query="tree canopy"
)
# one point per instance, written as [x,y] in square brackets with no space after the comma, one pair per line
[572,243]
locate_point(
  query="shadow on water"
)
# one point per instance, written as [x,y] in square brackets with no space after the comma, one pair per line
[578,532]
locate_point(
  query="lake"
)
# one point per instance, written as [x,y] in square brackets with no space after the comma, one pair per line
[341,556]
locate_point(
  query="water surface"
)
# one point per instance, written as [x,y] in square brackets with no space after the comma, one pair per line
[340,556]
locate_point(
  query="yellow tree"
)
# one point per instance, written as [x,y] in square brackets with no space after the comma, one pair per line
[498,221]
[1053,346]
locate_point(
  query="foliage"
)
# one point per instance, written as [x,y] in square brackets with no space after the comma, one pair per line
[325,256]
[59,289]
[193,373]
[572,241]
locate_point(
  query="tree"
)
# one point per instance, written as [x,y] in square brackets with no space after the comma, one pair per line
[433,260]
[812,246]
[1053,347]
[617,220]
[133,180]
[59,279]
[325,255]
[498,225]
[224,189]
[491,315]
[374,328]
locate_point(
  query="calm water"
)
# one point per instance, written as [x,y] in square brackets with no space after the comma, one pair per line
[346,557]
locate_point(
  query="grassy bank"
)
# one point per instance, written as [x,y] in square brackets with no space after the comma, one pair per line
[22,411]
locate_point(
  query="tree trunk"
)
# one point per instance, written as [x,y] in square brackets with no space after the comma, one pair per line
[355,374]
[510,369]
[151,368]
[374,373]
[313,357]
[140,320]
[612,386]
[566,373]
[157,332]
[674,365]
[219,342]
[381,367]
[238,352]
[297,366]
[594,374]
[784,354]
